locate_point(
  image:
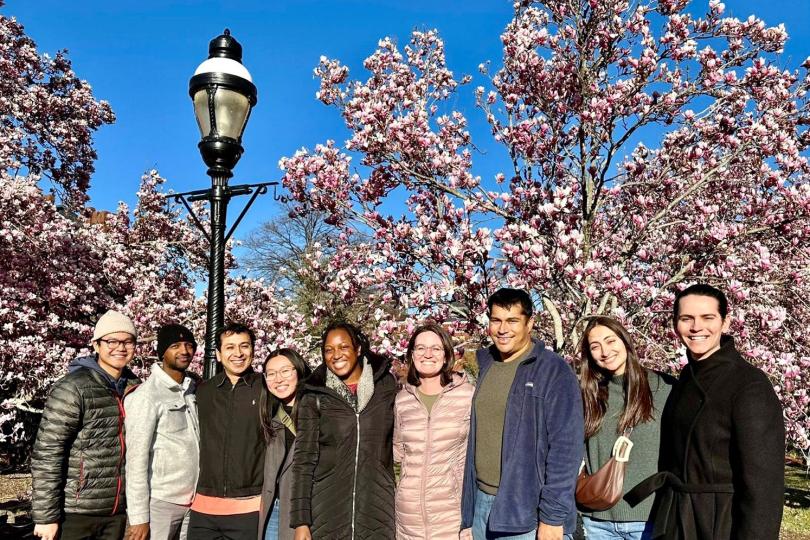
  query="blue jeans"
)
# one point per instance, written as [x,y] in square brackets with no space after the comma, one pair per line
[271,532]
[483,506]
[600,529]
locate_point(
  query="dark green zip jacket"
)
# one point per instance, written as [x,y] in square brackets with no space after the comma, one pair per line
[78,460]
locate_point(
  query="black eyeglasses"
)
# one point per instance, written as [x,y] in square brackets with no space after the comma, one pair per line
[114,343]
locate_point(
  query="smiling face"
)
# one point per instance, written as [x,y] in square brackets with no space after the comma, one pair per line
[281,378]
[236,354]
[342,356]
[178,356]
[510,330]
[607,350]
[700,325]
[114,359]
[428,355]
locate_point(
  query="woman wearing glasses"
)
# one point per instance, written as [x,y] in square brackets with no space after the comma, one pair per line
[431,421]
[284,370]
[343,478]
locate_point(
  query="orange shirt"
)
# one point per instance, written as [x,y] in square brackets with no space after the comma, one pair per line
[221,506]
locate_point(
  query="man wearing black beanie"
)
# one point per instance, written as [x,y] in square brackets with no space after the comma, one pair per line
[162,436]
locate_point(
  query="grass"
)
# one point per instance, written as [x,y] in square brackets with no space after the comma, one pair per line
[796,517]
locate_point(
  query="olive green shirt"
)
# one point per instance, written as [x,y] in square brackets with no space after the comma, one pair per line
[427,400]
[490,411]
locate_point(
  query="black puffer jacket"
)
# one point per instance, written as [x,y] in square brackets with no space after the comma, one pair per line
[78,460]
[343,480]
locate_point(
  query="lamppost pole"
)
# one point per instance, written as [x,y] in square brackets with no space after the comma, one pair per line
[216,273]
[223,94]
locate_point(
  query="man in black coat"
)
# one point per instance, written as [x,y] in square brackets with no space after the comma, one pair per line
[723,437]
[226,505]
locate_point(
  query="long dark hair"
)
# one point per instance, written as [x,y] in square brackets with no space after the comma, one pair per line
[268,403]
[449,354]
[593,381]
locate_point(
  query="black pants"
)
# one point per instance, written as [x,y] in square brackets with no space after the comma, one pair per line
[84,527]
[235,527]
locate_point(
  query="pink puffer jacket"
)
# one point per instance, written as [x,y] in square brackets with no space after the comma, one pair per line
[431,450]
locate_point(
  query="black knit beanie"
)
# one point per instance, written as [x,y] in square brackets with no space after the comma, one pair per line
[170,334]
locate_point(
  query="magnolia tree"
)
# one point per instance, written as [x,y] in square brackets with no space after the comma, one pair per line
[62,265]
[647,149]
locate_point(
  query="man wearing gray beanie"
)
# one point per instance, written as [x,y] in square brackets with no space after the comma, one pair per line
[161,425]
[78,460]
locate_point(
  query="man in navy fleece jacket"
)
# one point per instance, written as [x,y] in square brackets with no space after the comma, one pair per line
[526,433]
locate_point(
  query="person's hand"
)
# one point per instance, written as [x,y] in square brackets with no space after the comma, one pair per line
[138,532]
[302,533]
[549,532]
[46,531]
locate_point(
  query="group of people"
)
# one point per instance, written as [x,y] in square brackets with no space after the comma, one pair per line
[293,454]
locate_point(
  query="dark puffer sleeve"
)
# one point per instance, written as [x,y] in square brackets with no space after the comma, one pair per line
[59,426]
[305,460]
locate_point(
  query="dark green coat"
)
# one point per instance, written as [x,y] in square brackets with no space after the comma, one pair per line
[78,460]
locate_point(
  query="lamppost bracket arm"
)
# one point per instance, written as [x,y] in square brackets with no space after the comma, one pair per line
[181,197]
[244,189]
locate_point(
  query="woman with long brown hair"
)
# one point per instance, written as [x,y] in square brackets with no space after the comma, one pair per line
[620,397]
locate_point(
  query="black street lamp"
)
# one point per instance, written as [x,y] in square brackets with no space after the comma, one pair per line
[223,94]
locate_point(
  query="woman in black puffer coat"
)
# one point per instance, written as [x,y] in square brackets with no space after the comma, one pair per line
[343,479]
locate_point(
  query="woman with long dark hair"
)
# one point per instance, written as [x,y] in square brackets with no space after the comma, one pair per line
[431,423]
[284,371]
[343,478]
[620,397]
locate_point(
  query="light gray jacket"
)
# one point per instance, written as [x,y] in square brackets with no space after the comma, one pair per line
[163,443]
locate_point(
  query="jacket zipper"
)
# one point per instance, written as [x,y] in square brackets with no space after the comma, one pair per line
[356,460]
[424,473]
[227,444]
[121,415]
[81,477]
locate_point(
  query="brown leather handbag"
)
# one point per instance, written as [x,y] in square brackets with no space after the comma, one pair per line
[604,488]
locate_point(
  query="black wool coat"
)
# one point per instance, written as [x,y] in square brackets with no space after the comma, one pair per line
[722,453]
[343,478]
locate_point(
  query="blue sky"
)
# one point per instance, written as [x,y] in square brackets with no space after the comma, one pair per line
[139,56]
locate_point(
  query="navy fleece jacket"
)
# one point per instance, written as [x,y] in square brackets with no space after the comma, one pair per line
[543,445]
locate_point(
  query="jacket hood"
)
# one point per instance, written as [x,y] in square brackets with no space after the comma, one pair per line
[91,363]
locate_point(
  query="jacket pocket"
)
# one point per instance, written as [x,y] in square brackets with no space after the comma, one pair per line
[175,419]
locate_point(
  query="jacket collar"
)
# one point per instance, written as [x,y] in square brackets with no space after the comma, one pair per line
[726,353]
[457,380]
[162,378]
[534,353]
[245,378]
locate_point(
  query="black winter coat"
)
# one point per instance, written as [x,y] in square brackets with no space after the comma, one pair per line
[722,453]
[78,460]
[343,478]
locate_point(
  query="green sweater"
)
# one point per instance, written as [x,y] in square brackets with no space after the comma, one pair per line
[643,460]
[490,412]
